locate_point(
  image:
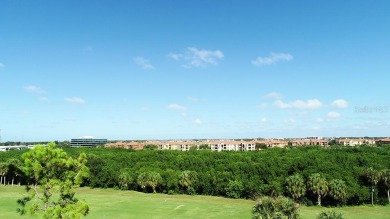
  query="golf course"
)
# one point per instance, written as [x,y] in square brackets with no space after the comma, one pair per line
[110,203]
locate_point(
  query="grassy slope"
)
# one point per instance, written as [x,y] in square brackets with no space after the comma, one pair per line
[108,203]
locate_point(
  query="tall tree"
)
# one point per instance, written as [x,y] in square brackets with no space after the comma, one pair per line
[295,186]
[3,172]
[373,176]
[142,179]
[151,179]
[386,181]
[338,190]
[14,167]
[318,185]
[154,180]
[52,176]
[125,179]
[187,179]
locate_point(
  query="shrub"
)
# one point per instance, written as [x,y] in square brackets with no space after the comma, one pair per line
[234,189]
[280,207]
[330,214]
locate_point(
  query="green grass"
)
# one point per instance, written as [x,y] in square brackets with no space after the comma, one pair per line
[109,203]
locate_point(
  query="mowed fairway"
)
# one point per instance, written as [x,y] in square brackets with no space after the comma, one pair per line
[109,203]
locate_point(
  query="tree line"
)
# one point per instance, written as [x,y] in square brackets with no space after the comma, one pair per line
[309,175]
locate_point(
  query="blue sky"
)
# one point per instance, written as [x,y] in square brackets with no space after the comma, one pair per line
[193,69]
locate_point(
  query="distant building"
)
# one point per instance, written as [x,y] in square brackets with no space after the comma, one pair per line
[354,141]
[87,141]
[383,141]
[127,145]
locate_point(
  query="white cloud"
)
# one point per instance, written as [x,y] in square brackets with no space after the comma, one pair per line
[340,103]
[263,120]
[333,115]
[299,104]
[272,59]
[273,95]
[194,57]
[198,121]
[33,89]
[75,100]
[144,63]
[176,107]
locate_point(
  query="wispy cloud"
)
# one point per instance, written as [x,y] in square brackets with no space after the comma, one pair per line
[143,63]
[333,115]
[176,107]
[192,99]
[290,121]
[299,104]
[193,57]
[1,65]
[43,99]
[198,121]
[272,59]
[75,100]
[340,103]
[262,106]
[273,95]
[33,89]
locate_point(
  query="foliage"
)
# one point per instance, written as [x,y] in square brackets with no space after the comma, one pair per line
[318,185]
[151,179]
[52,176]
[187,179]
[234,189]
[125,179]
[295,186]
[3,172]
[338,190]
[150,147]
[261,146]
[386,182]
[373,176]
[330,215]
[262,172]
[275,208]
[204,147]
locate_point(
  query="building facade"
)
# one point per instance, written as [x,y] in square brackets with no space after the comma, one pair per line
[87,142]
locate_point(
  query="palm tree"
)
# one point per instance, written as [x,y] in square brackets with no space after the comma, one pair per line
[318,185]
[295,186]
[154,180]
[143,180]
[14,167]
[151,179]
[124,180]
[386,181]
[373,177]
[338,190]
[3,172]
[187,178]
